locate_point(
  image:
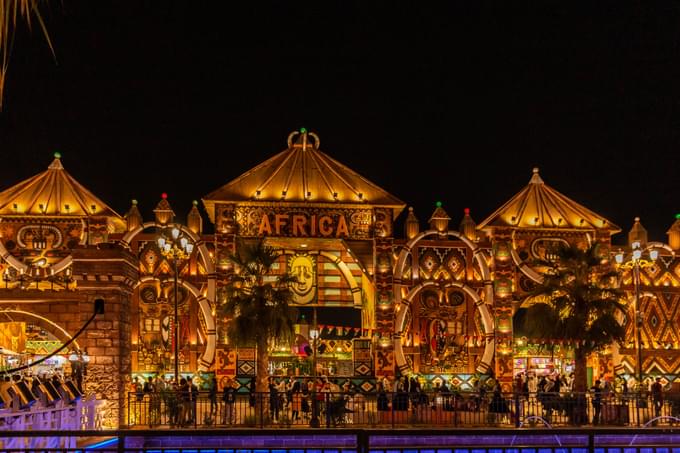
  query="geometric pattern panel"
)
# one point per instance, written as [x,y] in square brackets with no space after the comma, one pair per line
[245,362]
[245,368]
[363,361]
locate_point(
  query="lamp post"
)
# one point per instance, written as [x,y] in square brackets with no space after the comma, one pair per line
[638,258]
[175,247]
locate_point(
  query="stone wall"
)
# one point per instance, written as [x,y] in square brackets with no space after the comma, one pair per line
[104,272]
[107,272]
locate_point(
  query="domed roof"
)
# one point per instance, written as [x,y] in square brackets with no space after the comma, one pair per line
[540,206]
[54,192]
[303,174]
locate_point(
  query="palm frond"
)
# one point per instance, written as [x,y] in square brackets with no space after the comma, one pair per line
[258,308]
[12,11]
[582,303]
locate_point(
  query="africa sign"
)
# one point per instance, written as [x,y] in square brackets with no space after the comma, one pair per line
[299,222]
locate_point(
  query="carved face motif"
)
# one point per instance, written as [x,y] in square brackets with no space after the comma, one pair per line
[303,268]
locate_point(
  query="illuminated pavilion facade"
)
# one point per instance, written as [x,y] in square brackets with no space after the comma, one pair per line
[436,301]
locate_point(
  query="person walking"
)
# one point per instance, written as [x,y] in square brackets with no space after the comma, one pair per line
[596,402]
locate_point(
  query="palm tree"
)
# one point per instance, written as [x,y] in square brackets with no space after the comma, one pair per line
[10,11]
[257,304]
[577,302]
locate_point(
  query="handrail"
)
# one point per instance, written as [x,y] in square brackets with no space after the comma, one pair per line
[399,409]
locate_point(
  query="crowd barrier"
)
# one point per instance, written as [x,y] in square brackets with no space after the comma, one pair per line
[464,409]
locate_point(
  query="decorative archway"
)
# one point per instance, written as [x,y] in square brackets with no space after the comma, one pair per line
[344,270]
[46,323]
[403,303]
[204,301]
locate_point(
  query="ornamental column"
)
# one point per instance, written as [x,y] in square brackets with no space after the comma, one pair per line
[107,272]
[384,284]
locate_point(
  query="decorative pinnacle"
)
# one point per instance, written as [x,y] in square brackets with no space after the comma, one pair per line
[438,204]
[57,155]
[466,211]
[303,130]
[164,196]
[195,202]
[637,219]
[134,202]
[677,216]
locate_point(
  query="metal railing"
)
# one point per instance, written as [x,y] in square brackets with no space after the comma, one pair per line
[569,440]
[346,410]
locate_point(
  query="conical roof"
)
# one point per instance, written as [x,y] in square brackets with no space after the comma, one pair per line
[54,192]
[637,233]
[540,206]
[302,174]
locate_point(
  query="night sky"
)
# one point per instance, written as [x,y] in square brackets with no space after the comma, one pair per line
[454,103]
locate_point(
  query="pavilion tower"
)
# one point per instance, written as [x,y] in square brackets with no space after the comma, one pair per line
[329,221]
[527,227]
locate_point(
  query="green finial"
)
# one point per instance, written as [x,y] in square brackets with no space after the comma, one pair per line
[195,202]
[438,204]
[134,202]
[303,130]
[677,216]
[57,155]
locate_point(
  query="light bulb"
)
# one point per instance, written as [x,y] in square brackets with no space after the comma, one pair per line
[175,233]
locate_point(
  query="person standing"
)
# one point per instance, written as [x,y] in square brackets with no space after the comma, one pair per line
[657,396]
[296,401]
[212,396]
[596,401]
[252,397]
[229,398]
[273,401]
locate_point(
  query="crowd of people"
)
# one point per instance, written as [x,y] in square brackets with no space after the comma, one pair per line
[295,400]
[178,398]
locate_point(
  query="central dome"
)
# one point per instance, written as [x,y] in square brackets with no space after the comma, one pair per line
[303,174]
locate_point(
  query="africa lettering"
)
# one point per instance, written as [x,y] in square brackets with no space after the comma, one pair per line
[301,225]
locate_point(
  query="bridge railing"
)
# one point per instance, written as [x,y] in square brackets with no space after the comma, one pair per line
[83,414]
[400,409]
[420,440]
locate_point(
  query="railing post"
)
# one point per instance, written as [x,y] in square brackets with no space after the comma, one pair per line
[327,405]
[591,441]
[517,402]
[392,407]
[121,442]
[362,441]
[638,402]
[454,407]
[261,397]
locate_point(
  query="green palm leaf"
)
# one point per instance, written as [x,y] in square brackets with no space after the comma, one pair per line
[580,308]
[12,11]
[257,303]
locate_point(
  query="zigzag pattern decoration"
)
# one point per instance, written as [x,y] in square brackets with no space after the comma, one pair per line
[669,364]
